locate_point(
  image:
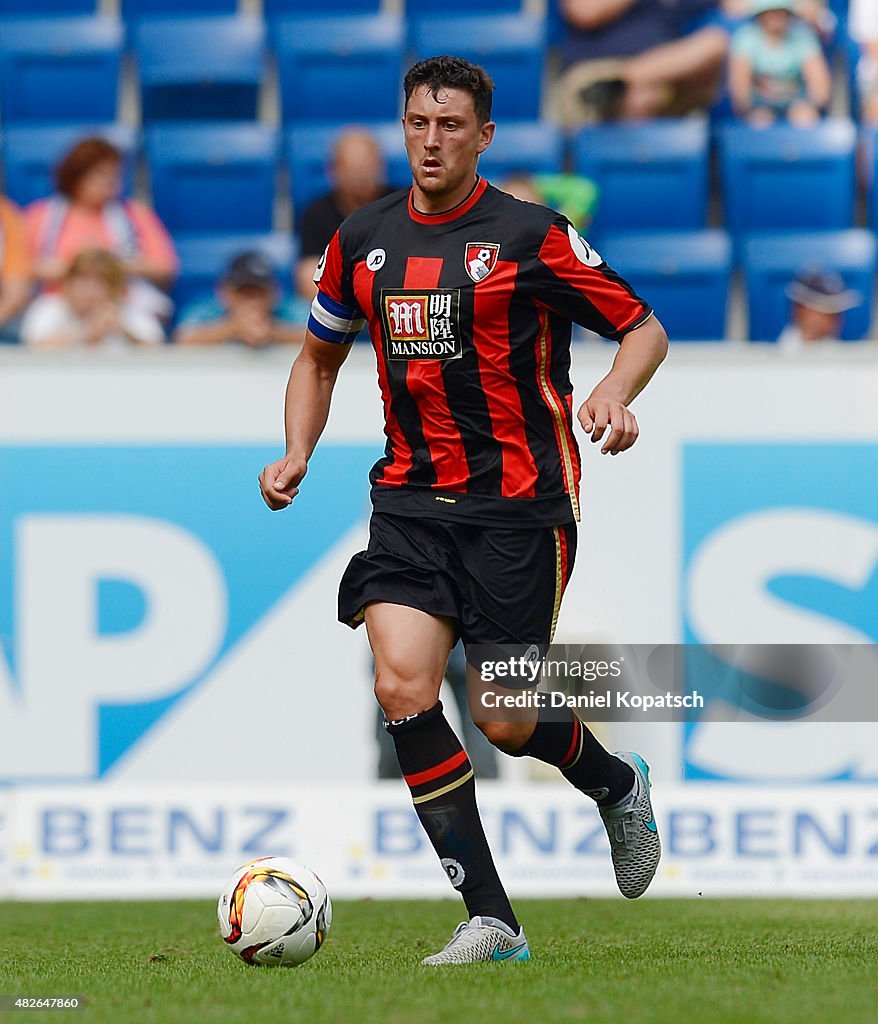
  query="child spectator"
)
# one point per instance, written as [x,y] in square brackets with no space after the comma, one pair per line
[818,302]
[777,69]
[15,269]
[91,309]
[247,310]
[87,213]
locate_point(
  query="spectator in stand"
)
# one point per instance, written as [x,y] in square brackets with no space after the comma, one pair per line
[777,69]
[358,177]
[247,310]
[863,27]
[87,212]
[636,59]
[571,194]
[91,309]
[818,302]
[16,278]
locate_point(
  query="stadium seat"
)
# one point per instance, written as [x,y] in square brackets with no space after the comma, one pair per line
[684,275]
[771,261]
[183,8]
[203,258]
[417,8]
[208,68]
[342,69]
[213,177]
[31,154]
[28,8]
[869,152]
[309,148]
[283,8]
[511,48]
[60,70]
[788,178]
[535,147]
[652,175]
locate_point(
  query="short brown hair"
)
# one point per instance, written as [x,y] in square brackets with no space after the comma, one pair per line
[99,263]
[82,158]
[452,73]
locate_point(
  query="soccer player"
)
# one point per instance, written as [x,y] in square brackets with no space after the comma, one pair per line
[469,295]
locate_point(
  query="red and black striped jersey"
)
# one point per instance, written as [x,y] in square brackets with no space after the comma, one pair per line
[470,315]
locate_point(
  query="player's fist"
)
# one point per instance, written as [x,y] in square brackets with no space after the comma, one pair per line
[279,481]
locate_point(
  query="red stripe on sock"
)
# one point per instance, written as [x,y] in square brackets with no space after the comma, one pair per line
[577,729]
[418,778]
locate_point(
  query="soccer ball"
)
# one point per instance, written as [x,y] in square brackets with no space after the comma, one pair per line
[274,911]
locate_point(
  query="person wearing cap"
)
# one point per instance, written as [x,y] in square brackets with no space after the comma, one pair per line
[818,302]
[777,70]
[247,309]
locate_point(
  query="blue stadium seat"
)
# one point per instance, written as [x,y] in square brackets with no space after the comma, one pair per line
[213,177]
[203,258]
[341,69]
[28,8]
[771,261]
[417,8]
[684,275]
[283,8]
[60,70]
[536,147]
[869,151]
[309,148]
[511,48]
[30,155]
[787,178]
[183,8]
[208,68]
[652,175]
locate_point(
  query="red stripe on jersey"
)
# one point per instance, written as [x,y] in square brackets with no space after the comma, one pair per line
[330,280]
[419,778]
[563,433]
[611,300]
[491,340]
[426,385]
[565,558]
[396,473]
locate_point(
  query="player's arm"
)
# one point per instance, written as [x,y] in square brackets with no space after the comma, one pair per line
[306,409]
[640,354]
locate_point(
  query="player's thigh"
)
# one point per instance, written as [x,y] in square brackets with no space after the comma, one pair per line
[411,651]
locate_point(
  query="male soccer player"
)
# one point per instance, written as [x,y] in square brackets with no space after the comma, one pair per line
[469,295]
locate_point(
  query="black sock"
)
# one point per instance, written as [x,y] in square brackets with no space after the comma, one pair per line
[572,747]
[443,789]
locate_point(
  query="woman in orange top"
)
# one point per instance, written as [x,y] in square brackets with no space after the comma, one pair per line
[88,212]
[16,278]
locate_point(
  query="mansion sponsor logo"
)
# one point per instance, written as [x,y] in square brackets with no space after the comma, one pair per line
[422,324]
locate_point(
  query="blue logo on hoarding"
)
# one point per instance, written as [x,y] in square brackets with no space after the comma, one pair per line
[127,573]
[780,546]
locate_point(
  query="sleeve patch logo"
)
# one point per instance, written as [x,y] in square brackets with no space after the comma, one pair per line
[582,250]
[480,258]
[321,266]
[421,324]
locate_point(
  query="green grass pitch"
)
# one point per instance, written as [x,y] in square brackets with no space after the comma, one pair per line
[709,962]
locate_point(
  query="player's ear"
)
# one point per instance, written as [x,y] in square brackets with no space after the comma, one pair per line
[486,135]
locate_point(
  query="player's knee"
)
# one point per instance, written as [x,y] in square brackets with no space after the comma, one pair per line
[401,695]
[509,737]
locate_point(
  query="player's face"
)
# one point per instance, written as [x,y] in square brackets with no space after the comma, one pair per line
[443,139]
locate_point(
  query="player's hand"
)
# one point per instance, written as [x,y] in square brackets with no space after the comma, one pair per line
[279,481]
[601,411]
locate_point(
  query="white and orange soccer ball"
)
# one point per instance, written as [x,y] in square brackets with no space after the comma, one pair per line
[274,912]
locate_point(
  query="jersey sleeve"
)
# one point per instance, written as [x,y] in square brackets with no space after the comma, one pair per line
[571,279]
[335,315]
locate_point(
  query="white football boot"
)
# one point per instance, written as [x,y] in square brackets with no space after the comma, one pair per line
[482,938]
[633,833]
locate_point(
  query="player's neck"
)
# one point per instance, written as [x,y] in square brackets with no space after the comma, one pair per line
[428,203]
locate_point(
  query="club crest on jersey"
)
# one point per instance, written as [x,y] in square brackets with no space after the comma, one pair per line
[421,323]
[480,259]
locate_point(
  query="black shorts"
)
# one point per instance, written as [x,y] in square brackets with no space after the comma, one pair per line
[499,585]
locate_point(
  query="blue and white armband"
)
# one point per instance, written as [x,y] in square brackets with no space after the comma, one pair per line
[331,321]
